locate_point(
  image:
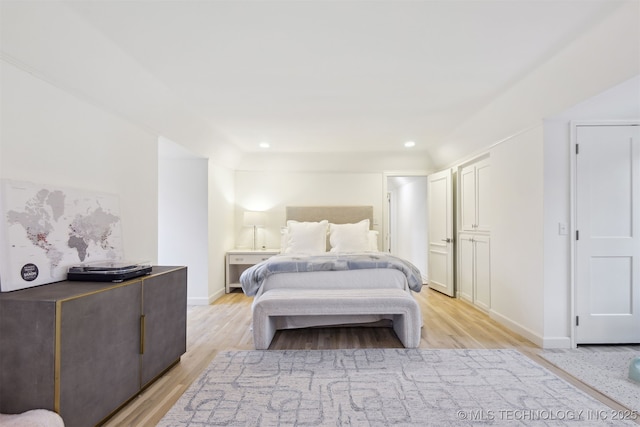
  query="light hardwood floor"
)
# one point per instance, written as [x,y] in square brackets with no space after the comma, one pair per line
[225,325]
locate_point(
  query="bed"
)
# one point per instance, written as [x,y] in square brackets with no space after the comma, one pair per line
[330,273]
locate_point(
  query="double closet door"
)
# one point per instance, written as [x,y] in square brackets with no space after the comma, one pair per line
[474,258]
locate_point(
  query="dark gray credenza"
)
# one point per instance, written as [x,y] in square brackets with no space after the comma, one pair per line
[83,349]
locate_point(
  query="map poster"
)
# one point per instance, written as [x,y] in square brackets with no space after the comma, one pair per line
[45,230]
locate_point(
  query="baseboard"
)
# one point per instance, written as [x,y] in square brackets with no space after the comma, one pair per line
[206,301]
[197,301]
[543,342]
[556,342]
[214,296]
[517,328]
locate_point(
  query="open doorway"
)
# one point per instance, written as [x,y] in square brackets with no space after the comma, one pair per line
[407,225]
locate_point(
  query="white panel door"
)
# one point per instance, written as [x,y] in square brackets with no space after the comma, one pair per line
[440,211]
[482,272]
[466,263]
[467,181]
[608,234]
[483,196]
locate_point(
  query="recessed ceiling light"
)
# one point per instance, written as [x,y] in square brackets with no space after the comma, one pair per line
[264,144]
[409,144]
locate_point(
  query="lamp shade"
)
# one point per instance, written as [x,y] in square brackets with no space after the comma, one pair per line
[253,219]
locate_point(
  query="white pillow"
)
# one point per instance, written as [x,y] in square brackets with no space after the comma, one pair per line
[284,239]
[373,241]
[306,237]
[349,237]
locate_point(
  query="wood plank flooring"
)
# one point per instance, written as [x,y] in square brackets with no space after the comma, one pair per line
[225,325]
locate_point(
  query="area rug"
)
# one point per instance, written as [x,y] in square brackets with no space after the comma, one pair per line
[383,387]
[605,369]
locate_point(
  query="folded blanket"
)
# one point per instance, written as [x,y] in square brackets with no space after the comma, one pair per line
[252,278]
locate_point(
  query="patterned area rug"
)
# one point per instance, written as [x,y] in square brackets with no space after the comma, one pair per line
[605,368]
[383,387]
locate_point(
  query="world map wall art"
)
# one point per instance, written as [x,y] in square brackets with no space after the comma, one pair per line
[45,230]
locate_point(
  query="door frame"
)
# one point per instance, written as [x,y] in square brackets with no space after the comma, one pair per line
[386,215]
[573,194]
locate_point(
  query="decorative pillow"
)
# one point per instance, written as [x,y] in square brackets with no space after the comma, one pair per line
[306,237]
[373,241]
[349,237]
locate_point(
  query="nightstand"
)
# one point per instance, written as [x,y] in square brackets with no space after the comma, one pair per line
[238,260]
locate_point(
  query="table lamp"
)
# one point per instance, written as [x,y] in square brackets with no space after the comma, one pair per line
[253,219]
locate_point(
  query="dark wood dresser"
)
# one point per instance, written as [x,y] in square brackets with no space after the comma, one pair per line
[83,349]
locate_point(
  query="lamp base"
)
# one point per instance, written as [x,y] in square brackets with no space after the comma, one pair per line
[254,237]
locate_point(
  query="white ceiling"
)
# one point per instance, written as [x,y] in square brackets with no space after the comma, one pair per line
[340,75]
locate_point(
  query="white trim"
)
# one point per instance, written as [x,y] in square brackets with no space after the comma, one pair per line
[572,231]
[476,155]
[206,301]
[556,342]
[540,341]
[573,124]
[219,293]
[517,328]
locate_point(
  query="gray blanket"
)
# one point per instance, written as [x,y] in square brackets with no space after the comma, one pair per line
[252,278]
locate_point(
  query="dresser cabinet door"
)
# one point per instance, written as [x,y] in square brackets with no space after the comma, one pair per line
[99,353]
[165,322]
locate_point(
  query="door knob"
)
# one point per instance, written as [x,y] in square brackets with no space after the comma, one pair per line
[448,240]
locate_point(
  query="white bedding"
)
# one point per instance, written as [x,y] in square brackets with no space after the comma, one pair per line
[328,250]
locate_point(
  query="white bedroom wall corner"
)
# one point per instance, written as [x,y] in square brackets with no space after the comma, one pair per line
[183,215]
[557,233]
[526,332]
[221,236]
[620,102]
[517,295]
[52,136]
[606,54]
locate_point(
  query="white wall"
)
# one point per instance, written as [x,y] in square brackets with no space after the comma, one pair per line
[221,234]
[605,55]
[49,136]
[81,112]
[183,216]
[50,39]
[517,264]
[618,103]
[273,191]
[530,260]
[55,137]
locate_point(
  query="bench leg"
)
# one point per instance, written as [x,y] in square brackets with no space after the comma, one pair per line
[264,329]
[407,328]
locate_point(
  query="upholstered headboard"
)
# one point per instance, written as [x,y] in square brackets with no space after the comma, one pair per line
[333,214]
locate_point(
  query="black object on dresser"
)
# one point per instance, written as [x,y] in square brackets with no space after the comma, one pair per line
[84,349]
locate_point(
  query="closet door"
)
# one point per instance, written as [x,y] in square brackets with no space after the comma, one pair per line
[608,235]
[482,276]
[483,196]
[465,266]
[468,198]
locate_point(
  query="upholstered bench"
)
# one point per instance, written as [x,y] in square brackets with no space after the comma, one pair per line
[399,304]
